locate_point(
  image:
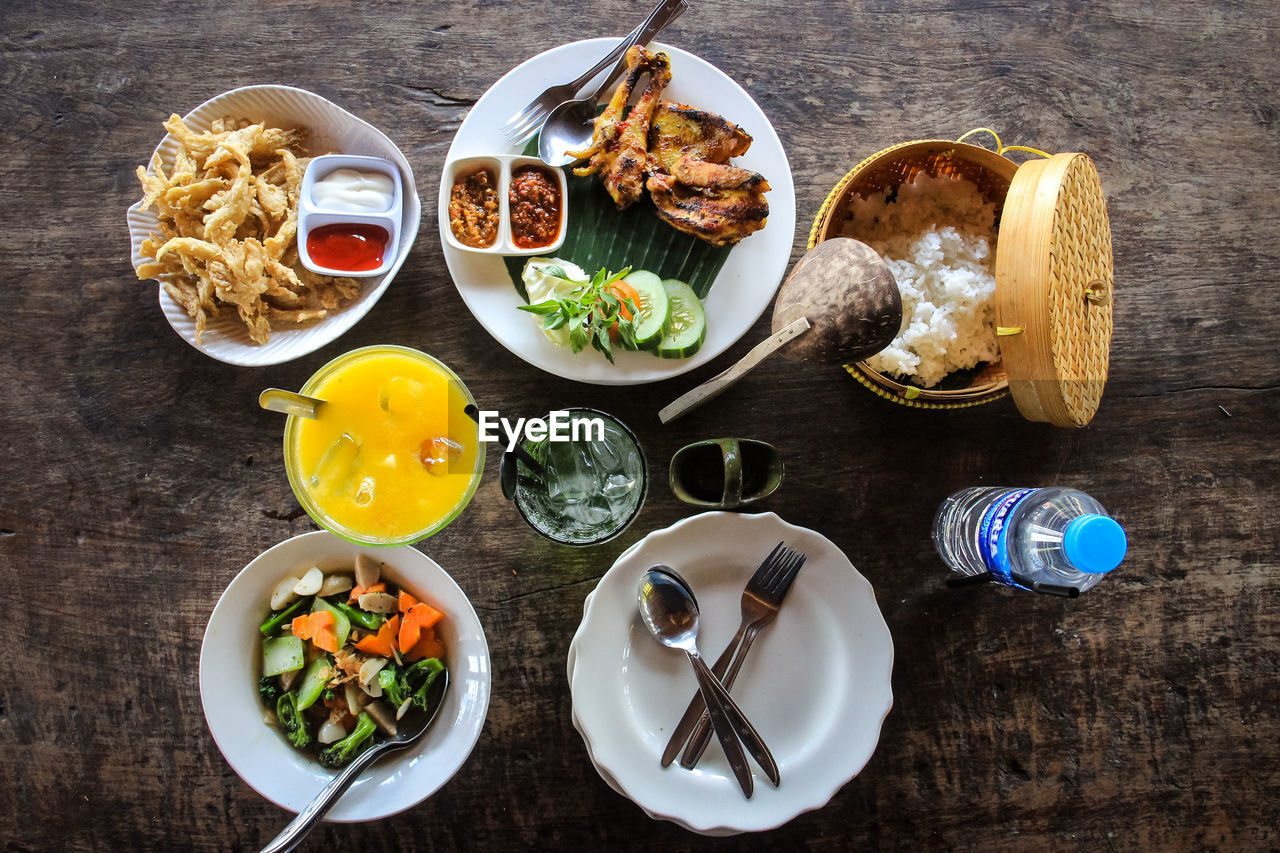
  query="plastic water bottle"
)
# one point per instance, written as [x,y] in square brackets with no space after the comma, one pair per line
[1052,540]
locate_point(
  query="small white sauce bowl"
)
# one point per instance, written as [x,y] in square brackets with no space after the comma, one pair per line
[502,165]
[312,215]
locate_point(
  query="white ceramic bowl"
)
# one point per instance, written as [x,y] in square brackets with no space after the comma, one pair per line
[259,753]
[332,129]
[503,165]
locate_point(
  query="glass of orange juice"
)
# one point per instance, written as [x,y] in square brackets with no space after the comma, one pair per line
[392,456]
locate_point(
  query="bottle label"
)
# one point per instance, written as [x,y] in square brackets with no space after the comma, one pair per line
[993,536]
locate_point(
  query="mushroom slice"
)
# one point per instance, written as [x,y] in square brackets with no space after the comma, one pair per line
[283,595]
[368,570]
[334,584]
[310,583]
[377,602]
[355,699]
[370,669]
[383,716]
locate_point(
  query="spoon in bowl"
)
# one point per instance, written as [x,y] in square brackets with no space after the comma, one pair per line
[670,612]
[408,731]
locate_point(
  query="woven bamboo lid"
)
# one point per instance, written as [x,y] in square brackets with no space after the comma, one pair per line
[1054,280]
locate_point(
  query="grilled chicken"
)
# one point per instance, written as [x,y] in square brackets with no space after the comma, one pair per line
[693,188]
[619,148]
[684,152]
[722,216]
[678,131]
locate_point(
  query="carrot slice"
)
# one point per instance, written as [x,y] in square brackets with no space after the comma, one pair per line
[406,601]
[418,618]
[428,646]
[320,628]
[380,643]
[357,591]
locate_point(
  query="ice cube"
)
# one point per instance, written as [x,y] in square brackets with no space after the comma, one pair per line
[570,472]
[364,494]
[617,487]
[401,396]
[438,453]
[336,469]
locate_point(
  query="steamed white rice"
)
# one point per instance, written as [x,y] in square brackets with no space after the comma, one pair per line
[938,237]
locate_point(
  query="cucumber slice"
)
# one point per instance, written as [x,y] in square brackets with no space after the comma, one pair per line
[654,307]
[687,328]
[282,654]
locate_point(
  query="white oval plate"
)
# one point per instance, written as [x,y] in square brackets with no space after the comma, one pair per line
[748,279]
[259,753]
[816,686]
[332,130]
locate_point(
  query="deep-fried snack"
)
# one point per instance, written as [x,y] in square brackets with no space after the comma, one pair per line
[228,224]
[619,148]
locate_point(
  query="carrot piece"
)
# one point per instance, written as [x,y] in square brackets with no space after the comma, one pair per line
[320,628]
[418,618]
[406,601]
[380,644]
[428,646]
[357,591]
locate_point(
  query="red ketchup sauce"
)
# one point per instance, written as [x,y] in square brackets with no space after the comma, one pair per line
[347,246]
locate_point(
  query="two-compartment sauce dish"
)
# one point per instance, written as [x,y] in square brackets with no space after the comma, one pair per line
[504,205]
[349,215]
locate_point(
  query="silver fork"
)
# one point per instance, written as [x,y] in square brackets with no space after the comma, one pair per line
[760,602]
[526,122]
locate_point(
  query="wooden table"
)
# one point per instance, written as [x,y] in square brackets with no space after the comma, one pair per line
[139,476]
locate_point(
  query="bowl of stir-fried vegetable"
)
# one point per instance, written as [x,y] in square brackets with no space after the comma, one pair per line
[316,651]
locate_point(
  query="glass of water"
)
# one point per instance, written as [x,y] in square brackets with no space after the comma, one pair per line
[585,490]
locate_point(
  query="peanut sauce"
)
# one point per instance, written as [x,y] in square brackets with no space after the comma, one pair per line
[473,209]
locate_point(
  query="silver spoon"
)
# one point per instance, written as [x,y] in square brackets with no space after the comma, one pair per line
[411,728]
[289,403]
[571,125]
[670,612]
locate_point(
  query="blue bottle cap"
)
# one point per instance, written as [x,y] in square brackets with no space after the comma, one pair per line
[1094,543]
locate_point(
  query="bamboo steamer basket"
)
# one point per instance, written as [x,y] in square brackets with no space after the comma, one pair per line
[1053,267]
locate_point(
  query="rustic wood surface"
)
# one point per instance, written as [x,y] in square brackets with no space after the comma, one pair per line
[139,476]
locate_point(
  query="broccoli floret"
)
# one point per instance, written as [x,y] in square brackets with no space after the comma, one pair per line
[269,690]
[419,678]
[338,754]
[292,721]
[390,678]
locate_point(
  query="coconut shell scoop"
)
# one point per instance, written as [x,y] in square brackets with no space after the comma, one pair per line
[840,304]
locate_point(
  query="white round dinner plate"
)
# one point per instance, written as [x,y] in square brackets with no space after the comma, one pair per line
[816,685]
[746,283]
[331,129]
[259,753]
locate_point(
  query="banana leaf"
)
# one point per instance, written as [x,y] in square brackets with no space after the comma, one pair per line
[599,235]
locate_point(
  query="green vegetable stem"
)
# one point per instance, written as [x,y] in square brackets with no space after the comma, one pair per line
[363,618]
[338,754]
[277,619]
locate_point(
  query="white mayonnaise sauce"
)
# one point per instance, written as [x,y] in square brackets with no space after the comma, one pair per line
[354,190]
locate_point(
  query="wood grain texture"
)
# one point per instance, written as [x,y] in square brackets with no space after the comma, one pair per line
[139,476]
